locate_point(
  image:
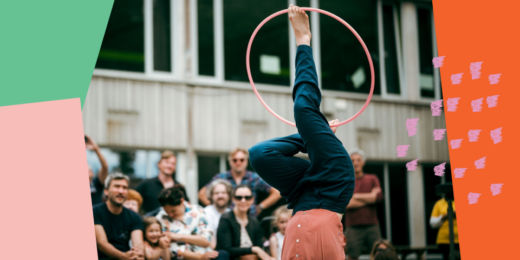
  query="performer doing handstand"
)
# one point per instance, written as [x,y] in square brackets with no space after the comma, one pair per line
[319,190]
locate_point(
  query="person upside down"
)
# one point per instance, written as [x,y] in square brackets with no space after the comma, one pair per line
[318,190]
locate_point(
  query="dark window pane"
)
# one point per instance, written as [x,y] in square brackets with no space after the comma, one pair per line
[399,204]
[391,66]
[162,60]
[425,52]
[270,51]
[379,170]
[206,37]
[123,44]
[304,3]
[208,166]
[344,65]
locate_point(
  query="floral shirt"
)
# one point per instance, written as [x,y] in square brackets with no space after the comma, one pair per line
[194,223]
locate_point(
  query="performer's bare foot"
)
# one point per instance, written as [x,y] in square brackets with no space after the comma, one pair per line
[333,128]
[300,24]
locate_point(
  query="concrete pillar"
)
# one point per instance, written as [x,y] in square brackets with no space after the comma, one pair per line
[410,40]
[416,214]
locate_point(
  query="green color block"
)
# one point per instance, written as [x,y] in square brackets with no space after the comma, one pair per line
[48,49]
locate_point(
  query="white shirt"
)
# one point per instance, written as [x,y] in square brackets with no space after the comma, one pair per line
[213,218]
[279,239]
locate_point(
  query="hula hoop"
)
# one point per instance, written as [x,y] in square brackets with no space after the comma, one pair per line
[338,19]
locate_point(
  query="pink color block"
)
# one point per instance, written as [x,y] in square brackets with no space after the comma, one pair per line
[455,144]
[48,194]
[480,163]
[476,105]
[475,69]
[496,188]
[456,78]
[438,61]
[459,172]
[436,107]
[473,197]
[412,166]
[401,150]
[452,104]
[411,126]
[439,169]
[492,101]
[494,78]
[473,135]
[496,135]
[438,134]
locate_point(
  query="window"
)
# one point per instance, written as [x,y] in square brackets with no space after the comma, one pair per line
[427,82]
[270,51]
[123,44]
[124,47]
[138,164]
[390,54]
[162,58]
[344,64]
[399,204]
[206,46]
[208,166]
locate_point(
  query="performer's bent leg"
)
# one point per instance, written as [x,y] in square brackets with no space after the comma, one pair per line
[274,161]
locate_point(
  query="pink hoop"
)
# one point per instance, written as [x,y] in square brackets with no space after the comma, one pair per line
[333,16]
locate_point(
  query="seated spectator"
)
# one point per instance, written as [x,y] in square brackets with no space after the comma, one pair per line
[383,250]
[116,225]
[156,245]
[154,213]
[96,182]
[281,216]
[219,194]
[185,225]
[238,232]
[134,201]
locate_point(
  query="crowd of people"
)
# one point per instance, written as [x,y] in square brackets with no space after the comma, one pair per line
[157,221]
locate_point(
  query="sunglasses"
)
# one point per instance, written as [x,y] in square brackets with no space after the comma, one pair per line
[241,160]
[243,197]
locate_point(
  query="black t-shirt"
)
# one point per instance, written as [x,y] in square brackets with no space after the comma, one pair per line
[118,228]
[149,190]
[96,191]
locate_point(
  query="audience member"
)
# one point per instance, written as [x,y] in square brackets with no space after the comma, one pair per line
[383,250]
[361,215]
[154,213]
[150,188]
[96,182]
[439,219]
[219,194]
[116,225]
[238,159]
[156,245]
[134,201]
[186,226]
[239,233]
[281,216]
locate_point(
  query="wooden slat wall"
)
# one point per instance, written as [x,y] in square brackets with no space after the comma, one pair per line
[141,114]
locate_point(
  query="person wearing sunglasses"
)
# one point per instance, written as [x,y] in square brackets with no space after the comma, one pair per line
[238,232]
[318,190]
[237,175]
[383,250]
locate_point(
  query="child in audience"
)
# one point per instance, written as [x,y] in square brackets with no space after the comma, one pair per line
[282,216]
[156,245]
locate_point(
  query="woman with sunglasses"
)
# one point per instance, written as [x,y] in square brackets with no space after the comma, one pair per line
[238,232]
